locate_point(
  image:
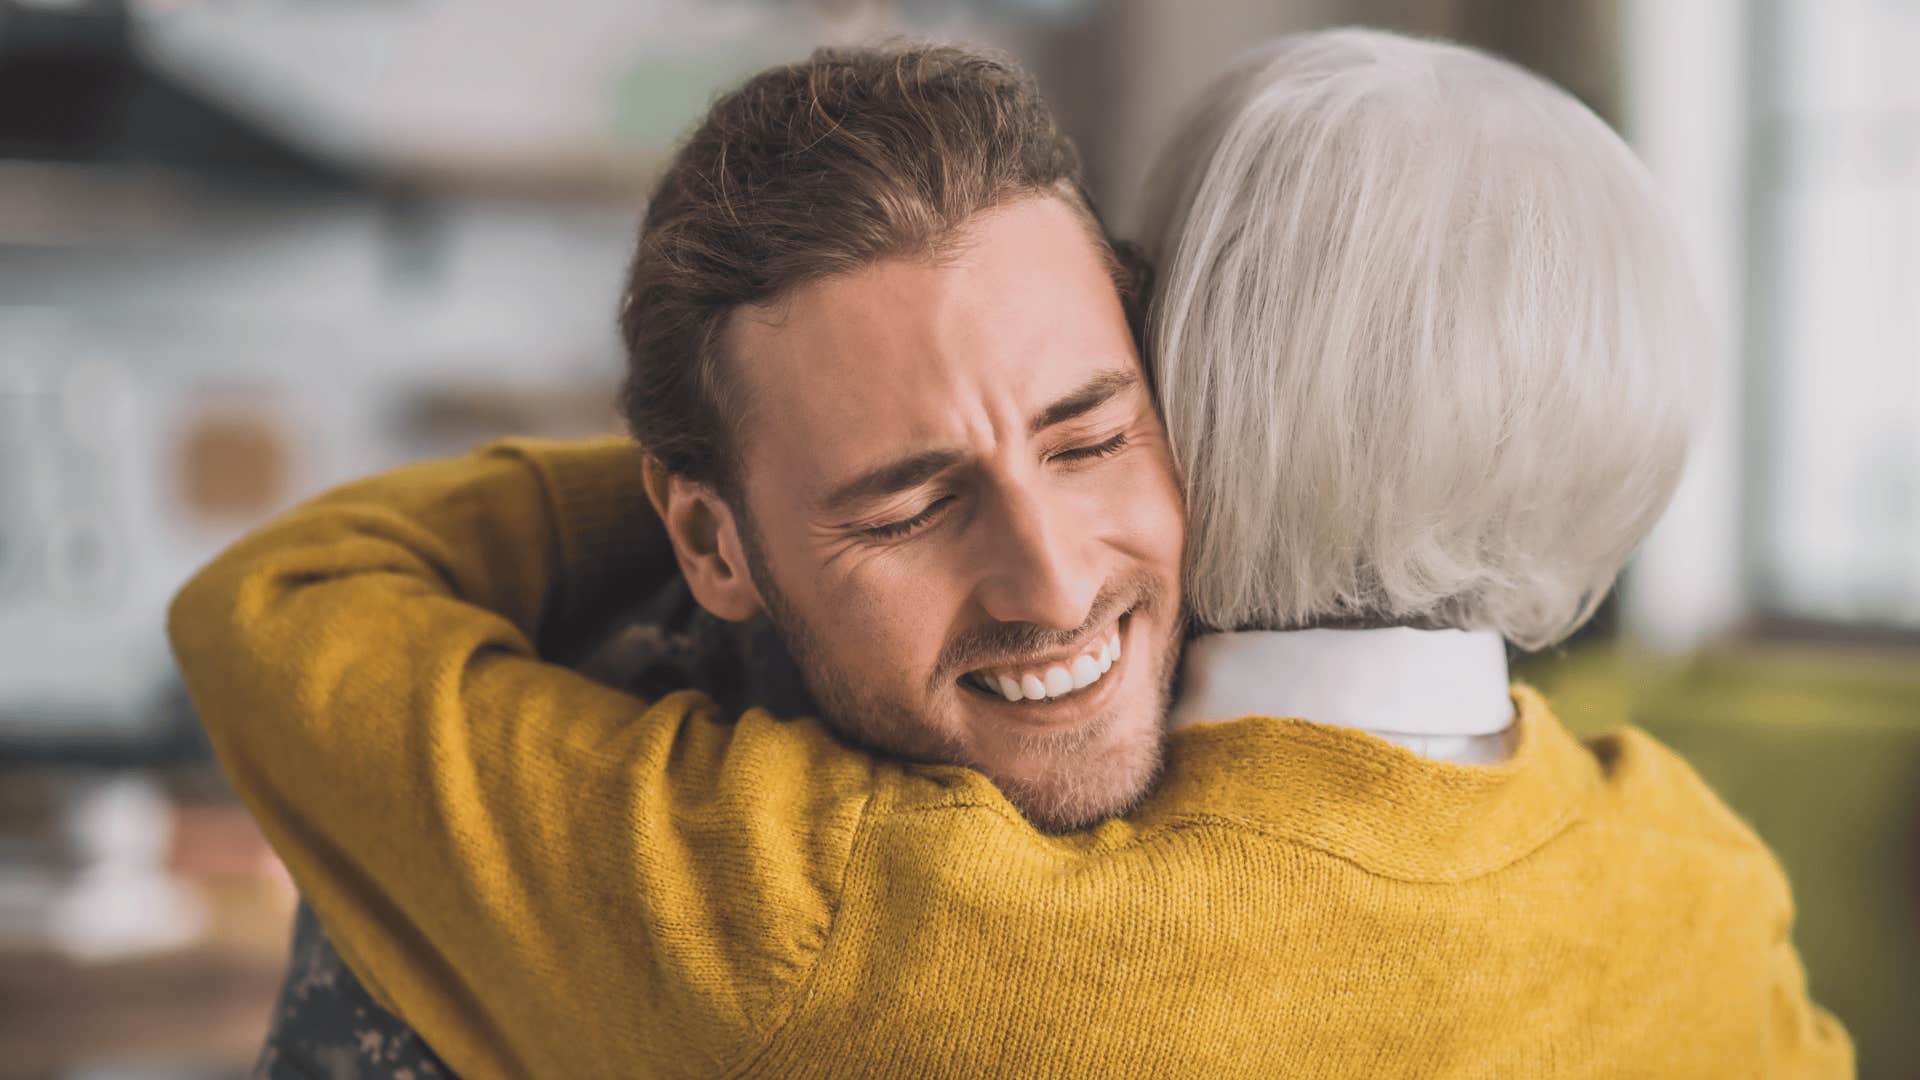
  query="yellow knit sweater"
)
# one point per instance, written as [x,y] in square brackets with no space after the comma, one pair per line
[546,877]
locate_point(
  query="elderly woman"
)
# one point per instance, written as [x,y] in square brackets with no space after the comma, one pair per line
[1429,358]
[1426,353]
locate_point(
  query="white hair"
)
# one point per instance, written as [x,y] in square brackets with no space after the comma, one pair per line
[1425,340]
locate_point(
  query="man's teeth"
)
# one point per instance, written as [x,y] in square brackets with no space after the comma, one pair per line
[1057,679]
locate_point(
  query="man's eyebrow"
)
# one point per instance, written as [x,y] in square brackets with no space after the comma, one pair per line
[916,469]
[1096,392]
[908,472]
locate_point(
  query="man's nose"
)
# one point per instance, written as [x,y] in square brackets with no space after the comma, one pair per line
[1040,567]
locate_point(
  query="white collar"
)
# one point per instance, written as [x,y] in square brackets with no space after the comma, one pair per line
[1389,681]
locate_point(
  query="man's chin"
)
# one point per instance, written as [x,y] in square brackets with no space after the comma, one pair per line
[1078,791]
[1060,784]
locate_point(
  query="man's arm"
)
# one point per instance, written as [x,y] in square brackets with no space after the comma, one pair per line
[498,845]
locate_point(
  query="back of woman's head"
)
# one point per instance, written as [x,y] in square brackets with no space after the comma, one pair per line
[1425,340]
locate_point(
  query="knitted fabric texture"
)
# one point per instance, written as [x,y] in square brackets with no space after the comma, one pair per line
[548,877]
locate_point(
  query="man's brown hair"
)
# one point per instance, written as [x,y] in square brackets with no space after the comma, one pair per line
[808,170]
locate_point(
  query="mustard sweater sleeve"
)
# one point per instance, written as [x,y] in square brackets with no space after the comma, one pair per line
[544,875]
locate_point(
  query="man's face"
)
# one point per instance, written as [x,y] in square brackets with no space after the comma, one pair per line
[958,493]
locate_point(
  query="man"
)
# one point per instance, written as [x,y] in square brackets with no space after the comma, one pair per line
[894,404]
[890,399]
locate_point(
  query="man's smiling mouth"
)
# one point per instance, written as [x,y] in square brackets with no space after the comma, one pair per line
[1053,678]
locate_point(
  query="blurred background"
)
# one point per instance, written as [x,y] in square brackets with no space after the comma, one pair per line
[250,248]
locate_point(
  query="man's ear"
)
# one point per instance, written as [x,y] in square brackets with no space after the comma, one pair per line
[706,540]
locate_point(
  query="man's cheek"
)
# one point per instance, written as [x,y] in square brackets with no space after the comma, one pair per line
[883,650]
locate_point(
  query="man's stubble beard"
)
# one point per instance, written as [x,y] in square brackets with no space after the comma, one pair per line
[1060,788]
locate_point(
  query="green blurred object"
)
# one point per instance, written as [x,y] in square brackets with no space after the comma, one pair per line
[1818,747]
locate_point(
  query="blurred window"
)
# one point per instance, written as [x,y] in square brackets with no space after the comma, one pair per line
[1835,411]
